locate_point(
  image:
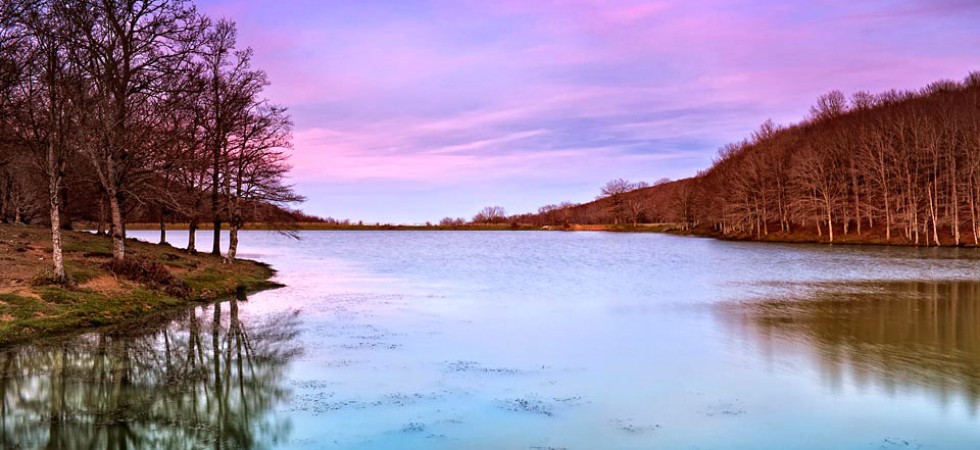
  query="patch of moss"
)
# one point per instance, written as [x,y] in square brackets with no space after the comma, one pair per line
[62,310]
[81,273]
[207,279]
[20,308]
[74,244]
[221,281]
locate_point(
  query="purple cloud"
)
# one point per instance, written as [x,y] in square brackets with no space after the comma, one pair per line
[410,111]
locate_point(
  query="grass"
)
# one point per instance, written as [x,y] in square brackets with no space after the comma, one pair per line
[157,279]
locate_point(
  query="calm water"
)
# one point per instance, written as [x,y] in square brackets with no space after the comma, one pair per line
[525,340]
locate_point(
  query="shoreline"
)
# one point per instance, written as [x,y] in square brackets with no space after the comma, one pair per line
[865,240]
[807,237]
[32,311]
[318,226]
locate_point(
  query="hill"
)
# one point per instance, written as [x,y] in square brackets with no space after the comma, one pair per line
[899,167]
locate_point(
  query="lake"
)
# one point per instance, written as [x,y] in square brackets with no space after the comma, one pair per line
[530,340]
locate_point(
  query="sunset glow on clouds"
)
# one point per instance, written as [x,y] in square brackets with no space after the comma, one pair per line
[410,111]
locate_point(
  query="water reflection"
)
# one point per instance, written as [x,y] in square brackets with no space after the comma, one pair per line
[206,379]
[898,336]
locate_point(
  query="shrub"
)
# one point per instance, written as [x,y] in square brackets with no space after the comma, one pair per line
[151,274]
[46,277]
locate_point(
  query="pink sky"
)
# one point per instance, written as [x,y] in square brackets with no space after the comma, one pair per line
[412,111]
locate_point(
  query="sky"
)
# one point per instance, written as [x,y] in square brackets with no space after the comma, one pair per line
[411,111]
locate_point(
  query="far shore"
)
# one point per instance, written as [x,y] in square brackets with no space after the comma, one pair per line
[798,236]
[313,226]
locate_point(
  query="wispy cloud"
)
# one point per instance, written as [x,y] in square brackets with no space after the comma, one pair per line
[466,96]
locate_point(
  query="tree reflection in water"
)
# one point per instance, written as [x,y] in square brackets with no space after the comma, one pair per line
[207,379]
[894,335]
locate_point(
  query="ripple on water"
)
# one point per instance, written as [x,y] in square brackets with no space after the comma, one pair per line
[725,408]
[325,402]
[892,443]
[477,368]
[630,426]
[536,404]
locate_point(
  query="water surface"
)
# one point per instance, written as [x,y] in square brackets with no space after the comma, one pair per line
[525,340]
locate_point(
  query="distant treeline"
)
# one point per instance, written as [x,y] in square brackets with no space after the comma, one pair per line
[111,110]
[899,167]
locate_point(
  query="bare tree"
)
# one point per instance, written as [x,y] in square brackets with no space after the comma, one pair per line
[225,68]
[490,215]
[451,222]
[624,207]
[258,166]
[50,98]
[127,49]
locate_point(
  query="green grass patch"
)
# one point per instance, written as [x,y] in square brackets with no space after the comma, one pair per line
[21,308]
[75,244]
[81,272]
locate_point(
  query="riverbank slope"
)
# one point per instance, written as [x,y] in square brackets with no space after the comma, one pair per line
[157,278]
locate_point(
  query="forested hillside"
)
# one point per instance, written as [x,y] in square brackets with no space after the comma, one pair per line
[895,167]
[620,202]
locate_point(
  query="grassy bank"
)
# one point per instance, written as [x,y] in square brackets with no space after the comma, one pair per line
[158,278]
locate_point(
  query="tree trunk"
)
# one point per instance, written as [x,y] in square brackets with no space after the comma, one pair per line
[933,214]
[216,246]
[973,220]
[4,202]
[54,198]
[163,226]
[215,212]
[66,222]
[216,154]
[192,235]
[118,232]
[101,229]
[913,208]
[974,198]
[232,241]
[234,216]
[888,214]
[955,201]
[857,195]
[830,222]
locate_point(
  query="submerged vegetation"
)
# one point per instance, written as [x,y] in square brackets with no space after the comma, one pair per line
[98,290]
